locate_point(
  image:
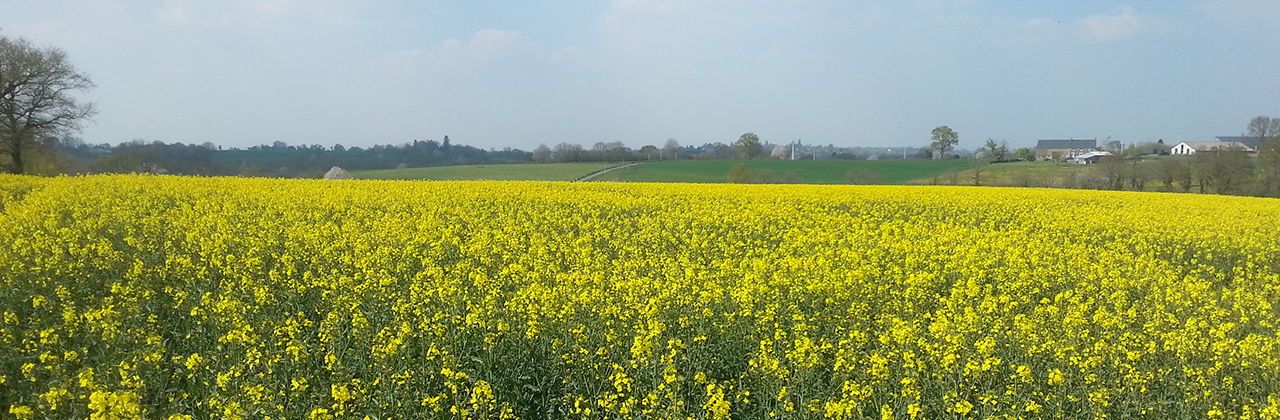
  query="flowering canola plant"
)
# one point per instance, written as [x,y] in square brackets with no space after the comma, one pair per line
[168,297]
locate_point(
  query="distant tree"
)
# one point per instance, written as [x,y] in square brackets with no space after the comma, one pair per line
[566,152]
[739,174]
[1089,180]
[749,146]
[445,145]
[1114,170]
[978,172]
[609,152]
[1026,154]
[1269,166]
[1171,171]
[671,149]
[716,151]
[1139,173]
[338,148]
[1147,148]
[648,150]
[998,151]
[1264,127]
[140,159]
[542,154]
[779,152]
[944,140]
[1223,171]
[952,178]
[36,102]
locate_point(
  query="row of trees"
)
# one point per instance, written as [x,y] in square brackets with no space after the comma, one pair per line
[71,155]
[748,146]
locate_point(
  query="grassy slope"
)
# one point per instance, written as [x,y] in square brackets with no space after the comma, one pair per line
[1034,174]
[809,171]
[525,172]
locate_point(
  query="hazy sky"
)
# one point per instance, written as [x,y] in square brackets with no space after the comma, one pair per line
[518,73]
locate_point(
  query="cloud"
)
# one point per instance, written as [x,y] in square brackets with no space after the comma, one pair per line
[568,54]
[649,7]
[202,15]
[486,46]
[939,5]
[626,17]
[1121,24]
[1233,12]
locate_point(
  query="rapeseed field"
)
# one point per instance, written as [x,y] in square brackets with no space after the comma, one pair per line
[190,298]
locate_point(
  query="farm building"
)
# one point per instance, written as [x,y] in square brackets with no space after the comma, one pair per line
[1191,147]
[1063,149]
[1090,158]
[1249,142]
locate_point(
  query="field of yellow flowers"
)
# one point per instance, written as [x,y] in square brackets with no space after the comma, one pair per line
[193,298]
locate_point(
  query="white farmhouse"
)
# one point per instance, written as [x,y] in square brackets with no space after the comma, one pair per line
[1191,147]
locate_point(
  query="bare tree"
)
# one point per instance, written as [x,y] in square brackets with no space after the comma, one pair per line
[671,148]
[864,176]
[978,171]
[1225,171]
[567,152]
[1172,171]
[1269,167]
[35,98]
[542,154]
[1139,174]
[1113,170]
[1264,127]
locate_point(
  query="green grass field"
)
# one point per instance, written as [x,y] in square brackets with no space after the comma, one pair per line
[1012,174]
[807,171]
[519,172]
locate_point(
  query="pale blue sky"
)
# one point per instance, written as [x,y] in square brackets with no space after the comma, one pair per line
[512,73]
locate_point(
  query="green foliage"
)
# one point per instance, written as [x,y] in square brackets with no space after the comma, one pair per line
[944,139]
[999,151]
[749,146]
